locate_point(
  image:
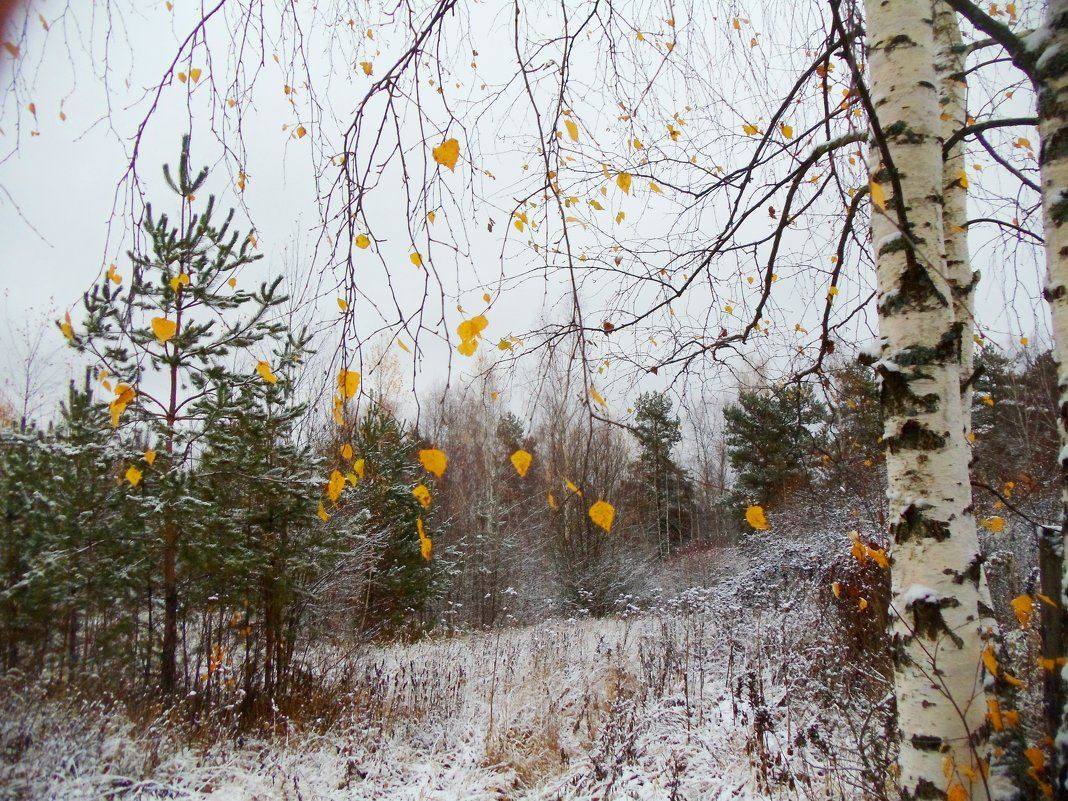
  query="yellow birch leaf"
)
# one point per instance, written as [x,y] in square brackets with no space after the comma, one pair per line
[362,241]
[623,182]
[878,196]
[447,153]
[301,132]
[346,452]
[994,524]
[654,187]
[335,486]
[164,329]
[150,457]
[348,382]
[551,501]
[750,130]
[368,67]
[359,467]
[990,661]
[1024,607]
[836,588]
[426,545]
[597,396]
[603,513]
[878,555]
[124,395]
[416,259]
[342,304]
[787,131]
[521,460]
[233,283]
[568,483]
[434,461]
[113,275]
[178,281]
[133,475]
[755,517]
[67,328]
[264,369]
[422,494]
[322,513]
[572,130]
[194,74]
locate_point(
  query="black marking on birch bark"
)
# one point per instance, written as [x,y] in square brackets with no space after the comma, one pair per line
[915,525]
[902,133]
[964,290]
[1054,293]
[897,397]
[971,573]
[925,790]
[901,40]
[915,436]
[927,742]
[927,620]
[915,290]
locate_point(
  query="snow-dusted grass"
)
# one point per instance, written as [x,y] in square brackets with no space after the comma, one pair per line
[693,704]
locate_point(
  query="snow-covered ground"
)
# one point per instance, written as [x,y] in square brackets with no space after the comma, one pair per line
[695,702]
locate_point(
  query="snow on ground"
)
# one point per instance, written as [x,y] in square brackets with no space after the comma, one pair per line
[692,703]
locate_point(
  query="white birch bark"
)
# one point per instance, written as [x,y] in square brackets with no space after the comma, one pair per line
[936,571]
[953,101]
[1051,84]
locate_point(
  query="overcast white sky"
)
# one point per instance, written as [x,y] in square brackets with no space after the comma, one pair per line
[63,217]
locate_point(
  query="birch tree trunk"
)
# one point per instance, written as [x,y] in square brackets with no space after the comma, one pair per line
[1051,84]
[953,102]
[936,567]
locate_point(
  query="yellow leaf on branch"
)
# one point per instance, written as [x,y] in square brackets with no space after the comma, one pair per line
[335,486]
[422,494]
[603,513]
[756,518]
[521,460]
[164,329]
[426,545]
[348,383]
[434,461]
[994,524]
[447,153]
[264,369]
[878,196]
[1024,607]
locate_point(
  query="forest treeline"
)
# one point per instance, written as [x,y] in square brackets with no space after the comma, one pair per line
[271,573]
[188,524]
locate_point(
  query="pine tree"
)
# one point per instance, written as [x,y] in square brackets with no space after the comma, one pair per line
[388,517]
[261,546]
[772,440]
[167,342]
[663,490]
